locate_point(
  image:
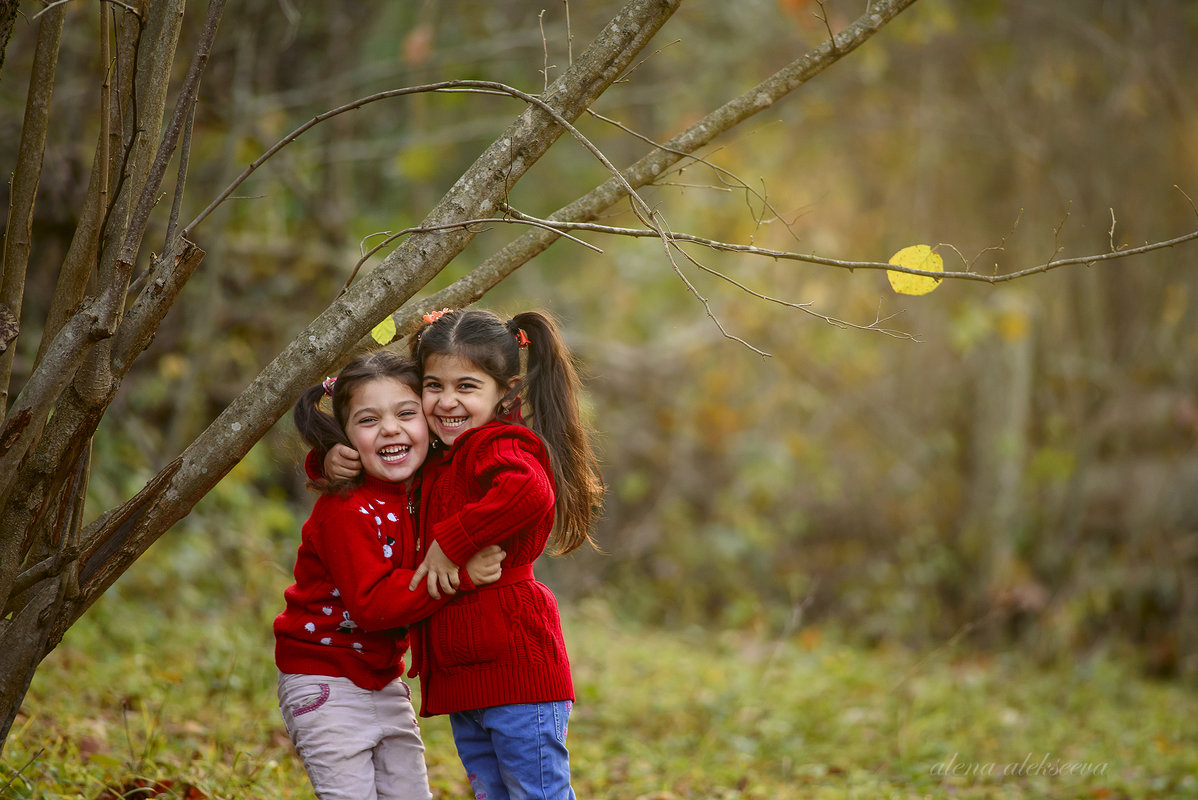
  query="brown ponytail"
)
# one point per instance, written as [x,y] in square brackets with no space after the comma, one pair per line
[550,390]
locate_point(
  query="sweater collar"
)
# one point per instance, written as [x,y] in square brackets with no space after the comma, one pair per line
[447,453]
[385,489]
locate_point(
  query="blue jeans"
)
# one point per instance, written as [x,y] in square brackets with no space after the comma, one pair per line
[515,752]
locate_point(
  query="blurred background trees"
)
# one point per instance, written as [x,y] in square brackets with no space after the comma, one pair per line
[1024,471]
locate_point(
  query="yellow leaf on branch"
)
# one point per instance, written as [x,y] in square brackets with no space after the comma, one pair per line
[917,256]
[384,332]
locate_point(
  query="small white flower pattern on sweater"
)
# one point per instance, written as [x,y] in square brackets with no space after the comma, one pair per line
[347,625]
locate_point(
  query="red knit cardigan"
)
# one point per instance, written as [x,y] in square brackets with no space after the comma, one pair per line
[502,643]
[347,612]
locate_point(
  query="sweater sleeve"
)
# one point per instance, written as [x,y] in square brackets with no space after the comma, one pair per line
[374,591]
[314,466]
[517,492]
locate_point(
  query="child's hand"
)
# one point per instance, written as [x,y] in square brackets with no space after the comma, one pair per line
[442,573]
[342,463]
[483,567]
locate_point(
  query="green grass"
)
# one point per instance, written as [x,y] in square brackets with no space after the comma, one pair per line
[188,697]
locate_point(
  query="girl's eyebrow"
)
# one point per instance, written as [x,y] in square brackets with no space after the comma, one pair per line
[372,410]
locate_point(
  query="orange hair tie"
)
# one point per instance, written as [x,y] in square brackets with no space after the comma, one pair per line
[435,315]
[522,338]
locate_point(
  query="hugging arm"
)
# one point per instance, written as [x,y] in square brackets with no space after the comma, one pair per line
[342,463]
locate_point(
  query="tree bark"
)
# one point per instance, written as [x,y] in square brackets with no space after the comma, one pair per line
[18,233]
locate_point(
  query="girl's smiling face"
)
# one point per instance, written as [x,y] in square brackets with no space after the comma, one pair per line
[386,426]
[458,396]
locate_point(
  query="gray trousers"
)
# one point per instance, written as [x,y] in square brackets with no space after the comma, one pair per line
[356,744]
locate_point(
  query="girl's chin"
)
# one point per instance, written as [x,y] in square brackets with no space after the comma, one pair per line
[390,474]
[449,437]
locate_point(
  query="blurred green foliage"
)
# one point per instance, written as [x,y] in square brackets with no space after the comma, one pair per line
[1023,473]
[163,692]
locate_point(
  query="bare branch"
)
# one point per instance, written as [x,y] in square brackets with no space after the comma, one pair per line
[874,327]
[25,178]
[57,3]
[811,258]
[668,244]
[1187,197]
[35,402]
[83,253]
[545,50]
[184,105]
[481,87]
[469,224]
[823,17]
[723,175]
[649,168]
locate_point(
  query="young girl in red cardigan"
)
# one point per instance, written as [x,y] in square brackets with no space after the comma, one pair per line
[496,660]
[339,643]
[515,467]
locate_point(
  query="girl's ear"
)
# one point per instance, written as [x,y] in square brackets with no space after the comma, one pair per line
[511,384]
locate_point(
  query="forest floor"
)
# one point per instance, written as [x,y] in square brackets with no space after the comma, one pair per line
[183,703]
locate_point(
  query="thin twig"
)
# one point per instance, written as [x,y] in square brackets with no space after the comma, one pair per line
[875,326]
[627,75]
[469,223]
[706,303]
[569,36]
[1001,247]
[967,628]
[811,258]
[823,17]
[545,50]
[1058,247]
[738,183]
[446,87]
[57,3]
[1187,197]
[17,774]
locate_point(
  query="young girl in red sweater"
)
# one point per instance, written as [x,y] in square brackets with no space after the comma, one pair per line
[339,643]
[495,659]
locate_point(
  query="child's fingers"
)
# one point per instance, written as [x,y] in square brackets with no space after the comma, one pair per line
[492,554]
[343,463]
[417,577]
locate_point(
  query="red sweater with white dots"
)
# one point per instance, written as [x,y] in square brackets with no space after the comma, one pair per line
[347,612]
[502,643]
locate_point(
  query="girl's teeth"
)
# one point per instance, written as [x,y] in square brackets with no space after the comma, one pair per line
[393,453]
